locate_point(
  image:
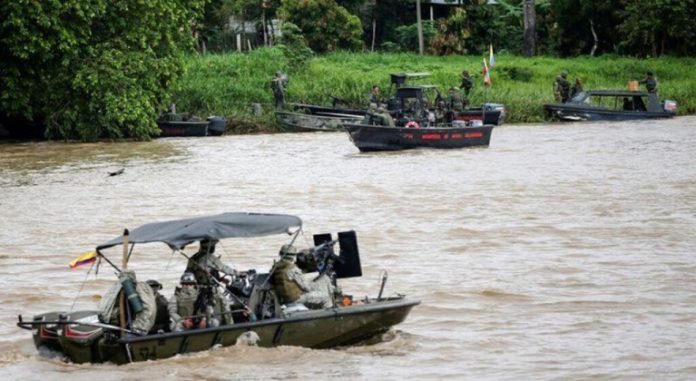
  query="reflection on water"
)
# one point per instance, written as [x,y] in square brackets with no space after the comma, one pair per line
[561,251]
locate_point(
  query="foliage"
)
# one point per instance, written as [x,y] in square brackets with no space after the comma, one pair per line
[326,25]
[294,45]
[656,27]
[571,33]
[407,36]
[95,68]
[228,84]
[452,34]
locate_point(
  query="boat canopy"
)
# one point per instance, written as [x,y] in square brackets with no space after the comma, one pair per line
[179,233]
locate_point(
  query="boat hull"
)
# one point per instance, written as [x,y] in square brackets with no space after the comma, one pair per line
[571,112]
[186,128]
[313,328]
[299,121]
[369,138]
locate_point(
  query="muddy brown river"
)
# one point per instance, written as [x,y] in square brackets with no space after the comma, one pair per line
[562,251]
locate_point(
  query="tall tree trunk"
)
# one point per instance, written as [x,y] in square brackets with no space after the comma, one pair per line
[594,36]
[420,27]
[529,46]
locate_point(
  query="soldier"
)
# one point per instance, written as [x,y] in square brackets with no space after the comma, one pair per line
[561,88]
[291,287]
[454,101]
[650,82]
[467,85]
[162,315]
[577,88]
[204,264]
[278,85]
[375,98]
[183,313]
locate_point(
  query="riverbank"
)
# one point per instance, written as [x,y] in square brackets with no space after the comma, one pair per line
[229,84]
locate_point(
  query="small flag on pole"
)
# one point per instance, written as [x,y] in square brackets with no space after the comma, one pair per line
[486,74]
[491,59]
[84,259]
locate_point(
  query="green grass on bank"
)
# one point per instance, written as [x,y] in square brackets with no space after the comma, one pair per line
[228,84]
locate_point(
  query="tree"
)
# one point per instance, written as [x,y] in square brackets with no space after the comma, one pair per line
[91,69]
[529,46]
[325,25]
[583,27]
[656,27]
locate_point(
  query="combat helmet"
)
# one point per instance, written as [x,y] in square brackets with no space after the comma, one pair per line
[564,74]
[188,278]
[287,251]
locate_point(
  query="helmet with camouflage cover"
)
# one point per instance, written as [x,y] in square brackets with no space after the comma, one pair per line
[188,278]
[287,251]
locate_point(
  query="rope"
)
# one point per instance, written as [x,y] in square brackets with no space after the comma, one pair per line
[81,287]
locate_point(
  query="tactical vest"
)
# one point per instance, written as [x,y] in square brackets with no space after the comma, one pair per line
[199,268]
[286,289]
[185,303]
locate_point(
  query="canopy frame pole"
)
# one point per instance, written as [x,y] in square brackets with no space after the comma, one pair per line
[122,298]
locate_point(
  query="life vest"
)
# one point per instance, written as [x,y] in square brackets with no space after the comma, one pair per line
[286,289]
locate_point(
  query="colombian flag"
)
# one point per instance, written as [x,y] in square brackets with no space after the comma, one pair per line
[486,74]
[86,258]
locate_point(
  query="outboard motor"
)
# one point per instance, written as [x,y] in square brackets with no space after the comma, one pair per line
[670,106]
[217,125]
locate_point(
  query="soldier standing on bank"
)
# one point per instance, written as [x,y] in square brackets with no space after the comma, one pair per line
[467,85]
[278,85]
[650,82]
[561,88]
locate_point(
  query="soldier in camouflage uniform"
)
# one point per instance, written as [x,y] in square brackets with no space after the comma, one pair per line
[162,315]
[278,85]
[205,265]
[561,88]
[454,100]
[467,85]
[183,310]
[650,82]
[291,287]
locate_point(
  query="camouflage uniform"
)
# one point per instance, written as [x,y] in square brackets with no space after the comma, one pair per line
[650,83]
[291,286]
[561,88]
[454,101]
[374,97]
[467,83]
[203,263]
[278,85]
[577,88]
[162,315]
[182,306]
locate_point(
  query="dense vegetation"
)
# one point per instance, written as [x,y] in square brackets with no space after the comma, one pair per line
[229,84]
[93,69]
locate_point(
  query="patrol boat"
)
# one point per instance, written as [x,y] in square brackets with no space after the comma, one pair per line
[83,337]
[612,105]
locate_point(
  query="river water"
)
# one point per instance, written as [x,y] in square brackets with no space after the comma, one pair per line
[562,251]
